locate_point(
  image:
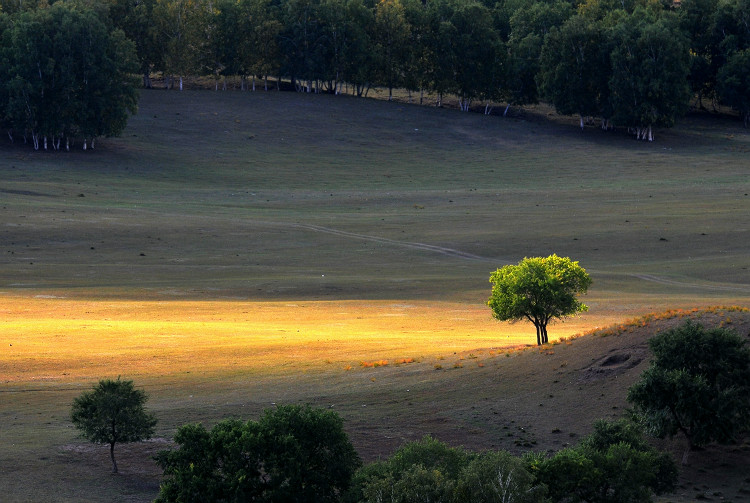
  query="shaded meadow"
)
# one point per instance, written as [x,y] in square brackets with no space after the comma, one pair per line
[237,250]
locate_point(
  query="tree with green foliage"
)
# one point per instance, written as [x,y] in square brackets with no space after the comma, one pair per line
[575,69]
[650,68]
[430,470]
[292,453]
[498,477]
[135,19]
[391,34]
[113,412]
[612,465]
[698,385]
[66,74]
[734,84]
[539,290]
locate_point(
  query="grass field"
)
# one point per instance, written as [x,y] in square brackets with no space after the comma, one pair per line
[236,250]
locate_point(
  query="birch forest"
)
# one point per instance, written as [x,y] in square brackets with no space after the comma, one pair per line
[69,70]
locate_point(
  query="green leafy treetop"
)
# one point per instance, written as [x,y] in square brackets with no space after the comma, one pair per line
[698,384]
[538,289]
[113,413]
[293,453]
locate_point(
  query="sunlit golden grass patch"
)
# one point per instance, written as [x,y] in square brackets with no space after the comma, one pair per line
[65,339]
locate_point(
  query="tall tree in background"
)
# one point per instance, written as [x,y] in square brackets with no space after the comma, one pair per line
[477,51]
[734,84]
[650,68]
[696,19]
[301,41]
[136,20]
[575,69]
[67,75]
[391,36]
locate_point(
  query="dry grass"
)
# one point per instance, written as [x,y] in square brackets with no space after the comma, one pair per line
[73,340]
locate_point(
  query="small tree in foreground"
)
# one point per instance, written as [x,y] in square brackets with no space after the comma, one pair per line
[698,384]
[612,465]
[113,413]
[538,289]
[293,453]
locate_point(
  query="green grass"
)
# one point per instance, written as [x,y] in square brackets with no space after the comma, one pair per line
[268,196]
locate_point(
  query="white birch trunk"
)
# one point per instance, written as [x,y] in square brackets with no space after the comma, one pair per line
[580,121]
[10,135]
[253,82]
[67,144]
[505,113]
[45,142]
[180,82]
[85,145]
[265,82]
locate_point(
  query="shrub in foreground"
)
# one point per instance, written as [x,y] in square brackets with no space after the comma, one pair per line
[698,385]
[612,465]
[292,453]
[429,470]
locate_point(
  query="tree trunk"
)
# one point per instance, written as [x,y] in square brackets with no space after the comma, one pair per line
[538,334]
[112,456]
[505,113]
[689,447]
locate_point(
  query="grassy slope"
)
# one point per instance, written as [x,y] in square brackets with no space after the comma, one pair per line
[257,197]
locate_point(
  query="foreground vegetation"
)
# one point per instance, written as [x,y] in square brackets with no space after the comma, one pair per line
[180,256]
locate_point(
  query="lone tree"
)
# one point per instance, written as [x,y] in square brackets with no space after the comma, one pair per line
[538,289]
[113,412]
[698,384]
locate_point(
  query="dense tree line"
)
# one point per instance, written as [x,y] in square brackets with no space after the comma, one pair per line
[65,73]
[631,63]
[628,63]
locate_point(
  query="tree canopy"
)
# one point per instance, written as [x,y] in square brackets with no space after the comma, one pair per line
[292,453]
[612,465]
[65,75]
[631,64]
[539,290]
[113,412]
[698,385]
